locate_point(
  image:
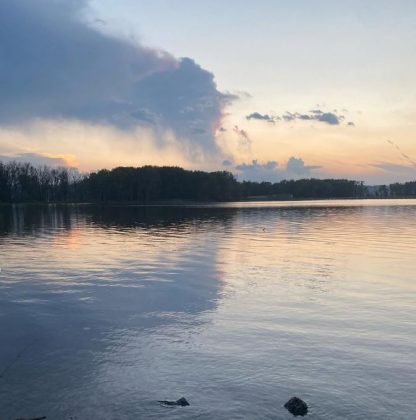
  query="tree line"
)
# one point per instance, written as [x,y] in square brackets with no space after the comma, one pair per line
[23,182]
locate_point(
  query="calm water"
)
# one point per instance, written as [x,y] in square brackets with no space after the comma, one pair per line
[237,307]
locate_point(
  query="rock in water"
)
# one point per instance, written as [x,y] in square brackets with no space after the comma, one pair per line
[34,418]
[297,407]
[183,402]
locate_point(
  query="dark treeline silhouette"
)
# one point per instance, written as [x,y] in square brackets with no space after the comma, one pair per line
[408,189]
[305,188]
[23,182]
[151,183]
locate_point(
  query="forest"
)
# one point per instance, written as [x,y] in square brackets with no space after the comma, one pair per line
[24,182]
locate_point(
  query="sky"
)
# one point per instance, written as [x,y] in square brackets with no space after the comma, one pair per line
[269,90]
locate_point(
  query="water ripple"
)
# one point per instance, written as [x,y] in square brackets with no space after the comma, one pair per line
[236,306]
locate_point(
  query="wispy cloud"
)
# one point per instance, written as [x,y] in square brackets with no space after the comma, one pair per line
[227,163]
[395,168]
[244,141]
[393,172]
[401,153]
[315,115]
[38,159]
[261,117]
[330,118]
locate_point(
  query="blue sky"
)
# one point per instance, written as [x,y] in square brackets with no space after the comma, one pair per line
[260,45]
[332,85]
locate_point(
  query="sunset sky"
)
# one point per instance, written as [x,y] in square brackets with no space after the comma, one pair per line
[268,89]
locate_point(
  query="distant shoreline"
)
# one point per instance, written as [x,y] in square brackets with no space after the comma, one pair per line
[148,185]
[196,203]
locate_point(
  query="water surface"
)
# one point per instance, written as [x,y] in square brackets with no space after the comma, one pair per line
[237,307]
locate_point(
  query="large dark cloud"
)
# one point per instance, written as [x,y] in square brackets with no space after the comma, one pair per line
[184,99]
[54,65]
[272,172]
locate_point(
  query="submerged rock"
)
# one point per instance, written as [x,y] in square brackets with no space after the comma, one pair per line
[182,402]
[297,407]
[34,418]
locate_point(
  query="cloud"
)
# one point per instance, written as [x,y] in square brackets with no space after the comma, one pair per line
[184,99]
[331,118]
[55,66]
[315,115]
[37,159]
[401,153]
[227,163]
[289,116]
[271,171]
[297,167]
[255,171]
[392,172]
[244,141]
[261,117]
[395,168]
[94,146]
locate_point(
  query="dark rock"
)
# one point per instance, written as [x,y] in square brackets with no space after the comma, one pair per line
[297,407]
[34,418]
[182,402]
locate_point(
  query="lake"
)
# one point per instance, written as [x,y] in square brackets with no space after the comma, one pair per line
[106,309]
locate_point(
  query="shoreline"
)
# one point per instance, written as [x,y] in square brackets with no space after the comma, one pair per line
[198,203]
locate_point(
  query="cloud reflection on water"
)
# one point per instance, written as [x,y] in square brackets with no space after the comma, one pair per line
[125,305]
